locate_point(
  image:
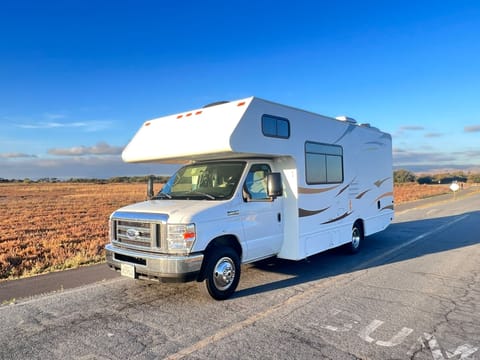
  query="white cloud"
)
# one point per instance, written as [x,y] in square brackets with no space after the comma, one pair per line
[430,159]
[16,155]
[88,126]
[472,154]
[411,128]
[403,130]
[54,116]
[99,167]
[433,135]
[472,128]
[101,148]
[404,157]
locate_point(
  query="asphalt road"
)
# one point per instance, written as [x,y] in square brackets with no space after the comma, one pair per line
[412,293]
[14,290]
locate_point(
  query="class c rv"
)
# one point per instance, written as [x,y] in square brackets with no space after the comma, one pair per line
[259,180]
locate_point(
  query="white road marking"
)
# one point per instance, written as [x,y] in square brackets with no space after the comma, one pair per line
[430,341]
[395,340]
[463,350]
[346,326]
[370,328]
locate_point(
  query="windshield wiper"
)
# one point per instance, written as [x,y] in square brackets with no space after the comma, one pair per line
[162,195]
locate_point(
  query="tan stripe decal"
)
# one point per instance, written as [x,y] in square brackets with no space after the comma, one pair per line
[359,196]
[304,213]
[338,218]
[380,182]
[345,188]
[384,195]
[302,190]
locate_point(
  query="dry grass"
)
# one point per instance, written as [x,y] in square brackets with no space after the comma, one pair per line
[413,191]
[46,227]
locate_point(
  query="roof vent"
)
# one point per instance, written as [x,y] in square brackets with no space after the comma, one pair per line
[215,104]
[346,119]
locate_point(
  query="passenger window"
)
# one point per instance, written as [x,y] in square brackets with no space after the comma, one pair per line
[255,187]
[323,163]
[273,126]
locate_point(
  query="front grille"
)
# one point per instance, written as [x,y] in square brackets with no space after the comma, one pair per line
[139,230]
[135,233]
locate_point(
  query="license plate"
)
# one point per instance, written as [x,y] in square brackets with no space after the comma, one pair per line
[127,270]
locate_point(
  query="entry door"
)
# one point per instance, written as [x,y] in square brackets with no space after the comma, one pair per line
[262,217]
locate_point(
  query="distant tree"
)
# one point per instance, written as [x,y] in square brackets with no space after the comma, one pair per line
[138,179]
[403,176]
[460,176]
[448,178]
[474,178]
[425,179]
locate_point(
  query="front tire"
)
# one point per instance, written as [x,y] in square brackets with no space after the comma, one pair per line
[222,272]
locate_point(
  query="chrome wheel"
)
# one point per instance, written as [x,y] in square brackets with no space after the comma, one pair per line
[356,237]
[224,273]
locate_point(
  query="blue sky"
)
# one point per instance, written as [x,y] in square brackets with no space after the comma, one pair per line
[78,78]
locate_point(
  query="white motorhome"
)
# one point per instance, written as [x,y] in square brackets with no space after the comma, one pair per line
[260,180]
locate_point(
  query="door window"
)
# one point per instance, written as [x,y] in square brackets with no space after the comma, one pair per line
[255,187]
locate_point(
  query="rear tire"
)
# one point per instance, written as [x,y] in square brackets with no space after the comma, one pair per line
[357,238]
[222,272]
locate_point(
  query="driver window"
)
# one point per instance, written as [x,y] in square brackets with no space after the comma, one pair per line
[255,187]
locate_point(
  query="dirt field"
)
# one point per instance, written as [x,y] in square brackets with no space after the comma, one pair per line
[46,227]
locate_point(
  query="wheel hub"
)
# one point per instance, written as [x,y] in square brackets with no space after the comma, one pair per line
[355,238]
[224,273]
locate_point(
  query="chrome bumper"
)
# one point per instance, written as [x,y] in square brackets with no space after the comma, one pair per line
[160,266]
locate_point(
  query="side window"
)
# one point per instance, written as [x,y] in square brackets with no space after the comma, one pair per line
[273,126]
[255,187]
[323,163]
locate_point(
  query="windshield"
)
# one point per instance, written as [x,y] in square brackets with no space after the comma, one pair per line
[211,181]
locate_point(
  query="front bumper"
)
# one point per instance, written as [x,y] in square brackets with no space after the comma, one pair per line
[159,266]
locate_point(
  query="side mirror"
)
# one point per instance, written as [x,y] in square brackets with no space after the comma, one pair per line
[150,192]
[274,185]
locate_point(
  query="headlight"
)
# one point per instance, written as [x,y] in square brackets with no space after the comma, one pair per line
[180,238]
